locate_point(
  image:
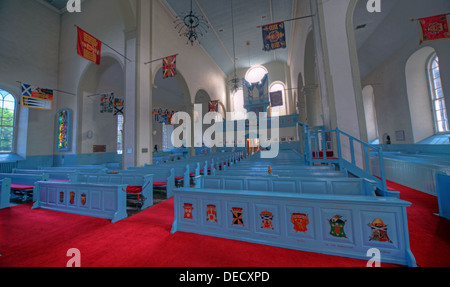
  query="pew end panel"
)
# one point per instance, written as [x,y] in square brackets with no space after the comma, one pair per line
[96,200]
[336,225]
[5,193]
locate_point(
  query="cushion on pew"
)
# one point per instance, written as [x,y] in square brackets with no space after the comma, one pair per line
[192,173]
[21,186]
[179,178]
[134,189]
[159,183]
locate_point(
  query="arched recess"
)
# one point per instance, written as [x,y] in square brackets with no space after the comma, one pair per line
[419,94]
[314,111]
[93,127]
[171,94]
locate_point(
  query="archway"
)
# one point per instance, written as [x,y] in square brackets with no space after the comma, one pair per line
[94,127]
[169,95]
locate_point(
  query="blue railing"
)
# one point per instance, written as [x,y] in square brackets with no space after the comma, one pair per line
[320,146]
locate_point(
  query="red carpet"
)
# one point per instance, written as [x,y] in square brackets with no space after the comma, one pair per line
[40,238]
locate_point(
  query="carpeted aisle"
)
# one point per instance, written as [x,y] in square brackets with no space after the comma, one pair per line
[40,238]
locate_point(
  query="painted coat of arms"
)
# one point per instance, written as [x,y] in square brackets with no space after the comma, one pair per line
[188,210]
[237,216]
[379,231]
[300,221]
[266,218]
[337,226]
[211,213]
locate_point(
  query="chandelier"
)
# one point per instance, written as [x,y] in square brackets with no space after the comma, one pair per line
[192,26]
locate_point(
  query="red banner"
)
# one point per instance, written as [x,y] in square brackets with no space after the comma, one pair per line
[89,47]
[434,28]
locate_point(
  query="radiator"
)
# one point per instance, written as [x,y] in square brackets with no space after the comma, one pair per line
[7,167]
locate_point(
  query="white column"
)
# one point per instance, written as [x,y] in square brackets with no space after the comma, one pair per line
[129,136]
[144,141]
[339,69]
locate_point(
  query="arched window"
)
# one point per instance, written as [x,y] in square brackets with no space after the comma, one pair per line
[280,110]
[437,97]
[255,74]
[7,121]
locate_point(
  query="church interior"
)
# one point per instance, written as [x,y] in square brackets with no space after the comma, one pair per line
[224,133]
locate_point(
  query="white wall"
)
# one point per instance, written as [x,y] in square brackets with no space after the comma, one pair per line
[29,33]
[402,104]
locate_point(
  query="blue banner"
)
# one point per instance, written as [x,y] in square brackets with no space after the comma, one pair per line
[274,36]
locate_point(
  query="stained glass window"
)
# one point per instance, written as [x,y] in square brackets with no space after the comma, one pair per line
[63,136]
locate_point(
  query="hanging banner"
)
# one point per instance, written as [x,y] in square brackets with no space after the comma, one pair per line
[274,36]
[88,47]
[276,99]
[118,106]
[213,106]
[107,103]
[163,116]
[169,66]
[36,98]
[434,28]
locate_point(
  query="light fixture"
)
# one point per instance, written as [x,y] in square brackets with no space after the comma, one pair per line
[234,82]
[191,26]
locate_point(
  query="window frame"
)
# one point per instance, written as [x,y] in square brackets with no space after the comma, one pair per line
[433,95]
[14,126]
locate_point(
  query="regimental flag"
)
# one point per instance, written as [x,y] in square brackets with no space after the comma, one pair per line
[107,103]
[36,98]
[169,66]
[213,106]
[89,47]
[434,28]
[276,99]
[118,106]
[274,36]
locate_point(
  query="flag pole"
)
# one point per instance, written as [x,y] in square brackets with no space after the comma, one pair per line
[413,20]
[109,46]
[293,19]
[59,91]
[160,59]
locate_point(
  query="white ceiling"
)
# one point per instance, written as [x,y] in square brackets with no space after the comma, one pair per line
[247,15]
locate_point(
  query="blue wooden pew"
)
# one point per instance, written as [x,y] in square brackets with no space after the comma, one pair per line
[443,193]
[311,185]
[58,174]
[284,173]
[139,187]
[5,193]
[181,171]
[22,185]
[97,200]
[337,225]
[163,178]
